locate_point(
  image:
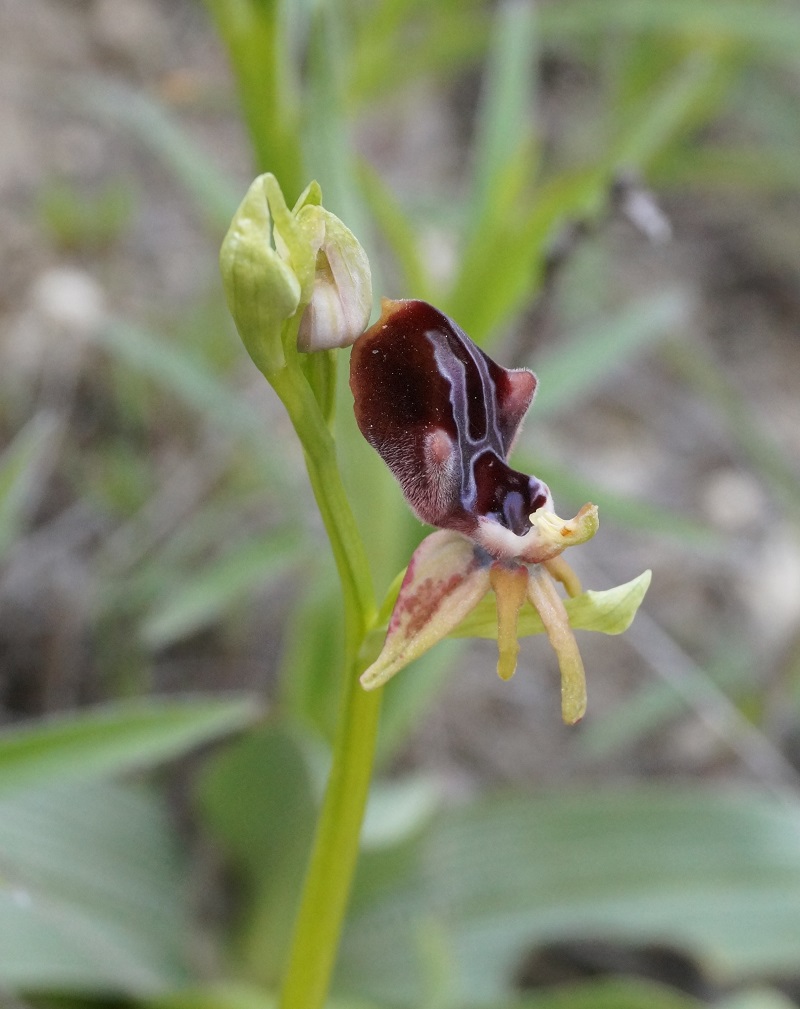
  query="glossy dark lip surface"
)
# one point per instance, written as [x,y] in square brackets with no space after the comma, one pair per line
[443,416]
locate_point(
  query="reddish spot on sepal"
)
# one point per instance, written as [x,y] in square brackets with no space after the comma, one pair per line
[445,580]
[444,417]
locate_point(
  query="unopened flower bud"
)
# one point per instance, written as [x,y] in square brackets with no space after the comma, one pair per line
[289,271]
[341,301]
[262,289]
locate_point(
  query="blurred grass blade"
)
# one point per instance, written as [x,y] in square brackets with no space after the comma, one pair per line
[329,152]
[607,993]
[434,39]
[398,231]
[658,702]
[711,872]
[20,465]
[503,236]
[260,53]
[701,371]
[240,995]
[182,374]
[770,26]
[502,271]
[409,697]
[664,114]
[502,267]
[505,116]
[628,512]
[115,738]
[757,998]
[742,169]
[206,595]
[585,359]
[214,197]
[220,995]
[91,899]
[311,658]
[257,797]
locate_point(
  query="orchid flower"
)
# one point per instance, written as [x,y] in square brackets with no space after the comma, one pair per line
[445,417]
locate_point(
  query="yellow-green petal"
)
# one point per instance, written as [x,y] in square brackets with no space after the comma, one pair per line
[510,586]
[608,611]
[549,605]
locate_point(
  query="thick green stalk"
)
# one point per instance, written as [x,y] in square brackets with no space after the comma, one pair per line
[333,860]
[326,483]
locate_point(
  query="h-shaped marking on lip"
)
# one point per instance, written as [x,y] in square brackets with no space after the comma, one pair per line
[454,369]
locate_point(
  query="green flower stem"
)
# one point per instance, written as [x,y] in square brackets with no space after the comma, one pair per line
[326,482]
[333,859]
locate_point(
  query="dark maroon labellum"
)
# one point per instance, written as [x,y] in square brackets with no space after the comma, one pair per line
[444,418]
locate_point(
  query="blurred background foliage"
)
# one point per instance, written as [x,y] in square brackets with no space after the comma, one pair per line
[165,581]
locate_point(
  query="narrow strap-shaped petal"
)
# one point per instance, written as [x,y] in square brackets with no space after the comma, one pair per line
[510,586]
[562,572]
[548,604]
[445,579]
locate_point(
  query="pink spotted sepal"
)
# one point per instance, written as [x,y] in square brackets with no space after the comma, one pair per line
[444,581]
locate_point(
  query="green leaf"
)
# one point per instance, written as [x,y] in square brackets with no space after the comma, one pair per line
[20,464]
[609,993]
[399,231]
[757,998]
[398,808]
[499,274]
[232,995]
[756,168]
[216,996]
[435,40]
[504,124]
[257,797]
[148,120]
[255,34]
[665,112]
[182,374]
[90,895]
[714,872]
[609,611]
[585,359]
[312,657]
[113,739]
[211,592]
[774,27]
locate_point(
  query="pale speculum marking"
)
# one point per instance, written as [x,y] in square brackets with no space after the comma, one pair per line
[467,421]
